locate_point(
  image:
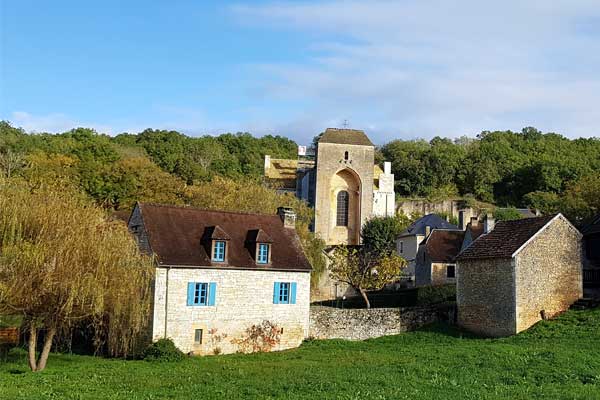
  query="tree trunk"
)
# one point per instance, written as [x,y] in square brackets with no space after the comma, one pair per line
[46,350]
[32,346]
[364,296]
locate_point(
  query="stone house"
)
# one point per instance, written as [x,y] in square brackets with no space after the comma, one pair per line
[407,243]
[519,273]
[436,258]
[219,273]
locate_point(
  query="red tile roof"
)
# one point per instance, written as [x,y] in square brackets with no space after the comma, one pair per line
[506,238]
[444,245]
[176,237]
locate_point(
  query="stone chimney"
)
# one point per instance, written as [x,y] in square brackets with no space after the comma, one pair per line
[267,162]
[387,167]
[474,222]
[427,231]
[461,220]
[288,217]
[488,223]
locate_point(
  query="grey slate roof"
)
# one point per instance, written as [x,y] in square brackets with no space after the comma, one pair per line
[345,136]
[506,238]
[432,220]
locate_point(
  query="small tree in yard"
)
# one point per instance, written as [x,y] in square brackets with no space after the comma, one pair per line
[62,261]
[364,270]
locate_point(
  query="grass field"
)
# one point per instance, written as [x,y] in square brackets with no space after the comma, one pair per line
[558,359]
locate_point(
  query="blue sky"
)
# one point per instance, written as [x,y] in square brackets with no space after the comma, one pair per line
[401,69]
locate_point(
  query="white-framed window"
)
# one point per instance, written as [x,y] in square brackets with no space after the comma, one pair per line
[263,253]
[451,271]
[219,251]
[197,336]
[284,293]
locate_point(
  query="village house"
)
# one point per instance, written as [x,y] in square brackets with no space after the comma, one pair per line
[517,274]
[219,273]
[436,257]
[407,243]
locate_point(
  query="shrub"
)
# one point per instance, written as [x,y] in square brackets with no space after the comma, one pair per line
[436,294]
[259,338]
[163,350]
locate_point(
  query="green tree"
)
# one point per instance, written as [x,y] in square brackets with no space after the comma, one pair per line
[62,261]
[364,270]
[379,234]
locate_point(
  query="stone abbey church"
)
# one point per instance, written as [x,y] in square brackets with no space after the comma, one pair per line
[341,182]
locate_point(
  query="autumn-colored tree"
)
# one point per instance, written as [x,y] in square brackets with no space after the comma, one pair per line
[364,270]
[62,261]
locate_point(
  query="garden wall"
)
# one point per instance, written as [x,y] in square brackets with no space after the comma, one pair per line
[361,324]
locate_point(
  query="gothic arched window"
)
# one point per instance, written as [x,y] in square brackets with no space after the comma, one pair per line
[342,208]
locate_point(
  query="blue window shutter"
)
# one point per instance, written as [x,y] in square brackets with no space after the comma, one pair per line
[190,296]
[293,293]
[212,292]
[276,293]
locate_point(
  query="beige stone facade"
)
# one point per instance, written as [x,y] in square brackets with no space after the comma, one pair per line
[501,296]
[343,167]
[548,274]
[243,298]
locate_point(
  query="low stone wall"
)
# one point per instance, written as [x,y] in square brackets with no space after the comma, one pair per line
[361,324]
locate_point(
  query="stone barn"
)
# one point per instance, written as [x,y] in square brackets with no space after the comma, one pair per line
[517,274]
[220,273]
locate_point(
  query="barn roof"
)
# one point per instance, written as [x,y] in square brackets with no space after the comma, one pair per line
[444,245]
[432,220]
[177,236]
[345,136]
[505,239]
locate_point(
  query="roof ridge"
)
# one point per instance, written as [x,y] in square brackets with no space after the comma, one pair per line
[204,209]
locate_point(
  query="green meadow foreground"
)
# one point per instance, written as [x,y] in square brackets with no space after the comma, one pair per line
[557,359]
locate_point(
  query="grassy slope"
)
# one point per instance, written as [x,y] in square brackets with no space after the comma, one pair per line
[558,359]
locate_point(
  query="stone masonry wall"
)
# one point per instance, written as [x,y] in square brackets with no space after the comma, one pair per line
[243,298]
[485,296]
[361,324]
[330,161]
[548,274]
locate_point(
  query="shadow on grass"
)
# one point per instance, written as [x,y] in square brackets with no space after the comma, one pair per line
[446,329]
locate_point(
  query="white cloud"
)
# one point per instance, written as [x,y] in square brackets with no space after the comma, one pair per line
[420,68]
[52,123]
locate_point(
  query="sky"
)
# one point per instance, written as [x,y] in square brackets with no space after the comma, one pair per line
[396,69]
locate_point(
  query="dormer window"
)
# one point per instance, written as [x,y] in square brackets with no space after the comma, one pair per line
[258,243]
[263,253]
[219,247]
[215,241]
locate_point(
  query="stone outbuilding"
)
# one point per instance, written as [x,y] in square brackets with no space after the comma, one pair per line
[219,273]
[517,274]
[436,258]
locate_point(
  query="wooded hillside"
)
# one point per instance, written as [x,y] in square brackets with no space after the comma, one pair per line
[528,168]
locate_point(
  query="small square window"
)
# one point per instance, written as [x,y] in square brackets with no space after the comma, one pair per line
[263,253]
[201,294]
[198,336]
[284,293]
[451,271]
[219,251]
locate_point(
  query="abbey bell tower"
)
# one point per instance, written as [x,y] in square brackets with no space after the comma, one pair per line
[344,185]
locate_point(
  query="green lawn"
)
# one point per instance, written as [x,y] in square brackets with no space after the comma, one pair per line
[557,359]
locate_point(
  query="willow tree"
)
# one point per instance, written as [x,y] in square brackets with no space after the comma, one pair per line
[62,262]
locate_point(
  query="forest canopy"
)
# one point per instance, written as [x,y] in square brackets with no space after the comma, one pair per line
[546,171]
